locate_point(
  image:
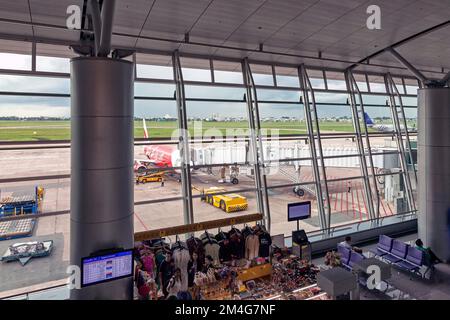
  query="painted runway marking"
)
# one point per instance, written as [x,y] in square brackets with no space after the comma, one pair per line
[140,220]
[389,207]
[359,204]
[384,209]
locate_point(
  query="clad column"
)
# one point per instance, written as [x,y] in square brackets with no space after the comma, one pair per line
[434,169]
[101,198]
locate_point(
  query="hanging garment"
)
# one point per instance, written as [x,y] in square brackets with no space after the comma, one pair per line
[221,236]
[251,247]
[265,241]
[181,259]
[246,231]
[206,236]
[148,261]
[225,252]
[237,246]
[212,249]
[196,245]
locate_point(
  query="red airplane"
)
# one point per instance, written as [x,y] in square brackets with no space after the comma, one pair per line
[159,156]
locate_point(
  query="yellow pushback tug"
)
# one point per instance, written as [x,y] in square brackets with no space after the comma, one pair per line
[227,202]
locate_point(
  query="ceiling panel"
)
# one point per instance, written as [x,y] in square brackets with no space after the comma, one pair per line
[174,17]
[222,18]
[57,34]
[14,9]
[156,45]
[51,11]
[54,50]
[160,60]
[269,19]
[19,47]
[23,31]
[125,9]
[295,27]
[400,19]
[311,23]
[123,42]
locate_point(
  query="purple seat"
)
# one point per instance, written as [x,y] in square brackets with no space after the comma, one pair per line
[355,257]
[345,254]
[398,252]
[413,261]
[384,246]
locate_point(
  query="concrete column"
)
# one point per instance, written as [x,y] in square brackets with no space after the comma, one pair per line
[102,197]
[434,169]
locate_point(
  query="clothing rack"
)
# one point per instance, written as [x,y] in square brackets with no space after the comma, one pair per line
[195,227]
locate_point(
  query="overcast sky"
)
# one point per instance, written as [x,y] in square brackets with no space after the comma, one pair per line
[22,106]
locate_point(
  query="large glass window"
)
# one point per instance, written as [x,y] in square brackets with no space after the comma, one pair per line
[227,72]
[15,55]
[37,108]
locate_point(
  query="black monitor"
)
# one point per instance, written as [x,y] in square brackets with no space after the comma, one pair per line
[105,267]
[299,211]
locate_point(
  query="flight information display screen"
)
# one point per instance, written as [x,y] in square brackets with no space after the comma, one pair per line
[299,211]
[107,267]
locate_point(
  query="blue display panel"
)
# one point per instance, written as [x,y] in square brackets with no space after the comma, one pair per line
[299,211]
[108,267]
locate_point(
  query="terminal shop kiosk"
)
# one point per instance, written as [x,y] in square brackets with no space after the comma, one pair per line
[296,212]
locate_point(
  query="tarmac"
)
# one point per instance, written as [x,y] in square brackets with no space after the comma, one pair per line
[346,199]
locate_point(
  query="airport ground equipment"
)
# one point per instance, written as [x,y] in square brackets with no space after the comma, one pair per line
[26,205]
[20,205]
[293,174]
[14,229]
[232,177]
[150,177]
[26,250]
[227,202]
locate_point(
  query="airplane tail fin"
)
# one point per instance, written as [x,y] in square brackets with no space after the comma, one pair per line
[145,128]
[368,120]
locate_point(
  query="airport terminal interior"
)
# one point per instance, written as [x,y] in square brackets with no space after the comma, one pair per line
[224,149]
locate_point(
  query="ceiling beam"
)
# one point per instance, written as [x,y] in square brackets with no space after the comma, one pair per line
[96,23]
[281,54]
[419,75]
[446,78]
[400,43]
[107,19]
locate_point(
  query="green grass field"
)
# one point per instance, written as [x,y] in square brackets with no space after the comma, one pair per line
[60,130]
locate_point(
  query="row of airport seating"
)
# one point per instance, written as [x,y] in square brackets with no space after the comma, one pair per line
[349,257]
[400,254]
[390,250]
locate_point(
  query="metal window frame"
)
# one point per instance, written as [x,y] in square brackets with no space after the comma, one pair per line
[314,137]
[405,132]
[256,146]
[251,100]
[353,89]
[395,111]
[183,145]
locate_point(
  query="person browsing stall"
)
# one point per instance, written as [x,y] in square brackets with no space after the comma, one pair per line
[166,271]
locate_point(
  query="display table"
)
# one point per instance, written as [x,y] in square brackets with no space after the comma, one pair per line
[362,266]
[338,281]
[256,272]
